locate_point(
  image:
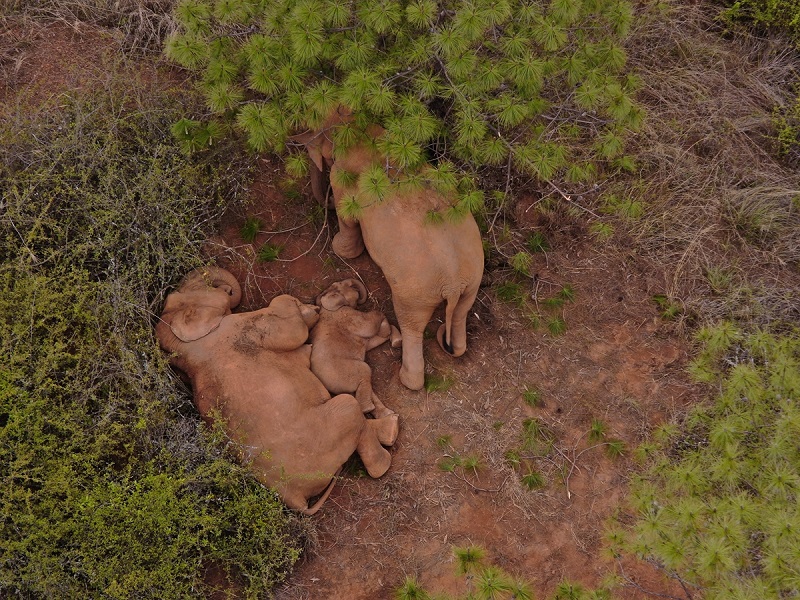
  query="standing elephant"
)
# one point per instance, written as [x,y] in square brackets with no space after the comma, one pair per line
[340,341]
[424,263]
[252,370]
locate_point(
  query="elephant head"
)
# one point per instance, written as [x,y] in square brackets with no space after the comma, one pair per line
[203,299]
[319,144]
[348,292]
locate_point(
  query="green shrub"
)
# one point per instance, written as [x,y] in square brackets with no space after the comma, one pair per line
[111,485]
[718,506]
[781,14]
[540,87]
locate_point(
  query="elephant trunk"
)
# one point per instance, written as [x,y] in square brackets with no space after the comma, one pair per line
[214,277]
[362,290]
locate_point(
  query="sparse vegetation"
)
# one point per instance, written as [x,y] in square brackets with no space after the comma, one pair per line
[482,581]
[250,229]
[435,382]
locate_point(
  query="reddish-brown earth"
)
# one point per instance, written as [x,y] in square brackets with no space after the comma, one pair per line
[617,362]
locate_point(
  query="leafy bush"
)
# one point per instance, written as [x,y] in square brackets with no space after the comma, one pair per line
[540,87]
[782,14]
[718,506]
[111,486]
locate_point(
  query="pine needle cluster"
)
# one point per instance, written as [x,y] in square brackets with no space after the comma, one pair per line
[719,504]
[539,88]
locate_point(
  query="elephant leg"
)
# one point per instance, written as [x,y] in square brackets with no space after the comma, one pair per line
[319,183]
[386,428]
[380,410]
[348,242]
[412,325]
[375,457]
[364,393]
[395,339]
[458,325]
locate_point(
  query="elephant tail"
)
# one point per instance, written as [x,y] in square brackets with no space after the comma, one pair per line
[447,340]
[321,500]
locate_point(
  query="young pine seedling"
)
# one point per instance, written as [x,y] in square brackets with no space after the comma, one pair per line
[533,480]
[269,253]
[531,396]
[250,229]
[556,326]
[536,242]
[437,383]
[597,432]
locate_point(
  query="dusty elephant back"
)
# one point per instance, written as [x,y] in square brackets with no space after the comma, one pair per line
[419,253]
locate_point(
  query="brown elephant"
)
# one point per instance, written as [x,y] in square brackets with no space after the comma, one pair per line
[424,263]
[252,371]
[341,339]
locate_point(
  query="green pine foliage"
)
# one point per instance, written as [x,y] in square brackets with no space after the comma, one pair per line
[719,504]
[111,487]
[537,86]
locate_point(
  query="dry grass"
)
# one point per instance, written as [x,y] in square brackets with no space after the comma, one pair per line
[141,26]
[719,201]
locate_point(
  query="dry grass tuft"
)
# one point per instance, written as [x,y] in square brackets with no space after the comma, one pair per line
[719,200]
[141,25]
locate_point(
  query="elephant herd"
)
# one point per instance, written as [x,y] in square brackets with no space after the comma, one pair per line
[268,375]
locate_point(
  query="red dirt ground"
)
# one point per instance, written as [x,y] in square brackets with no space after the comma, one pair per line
[616,362]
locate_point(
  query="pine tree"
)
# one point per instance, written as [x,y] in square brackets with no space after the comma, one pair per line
[488,80]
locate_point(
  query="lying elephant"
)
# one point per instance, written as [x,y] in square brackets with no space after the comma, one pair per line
[252,370]
[341,339]
[423,263]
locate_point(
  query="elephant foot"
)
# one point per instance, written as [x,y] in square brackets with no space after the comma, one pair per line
[452,351]
[413,381]
[375,457]
[395,339]
[386,428]
[346,248]
[381,411]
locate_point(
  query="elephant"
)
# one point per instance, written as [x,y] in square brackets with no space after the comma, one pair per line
[252,371]
[341,339]
[424,263]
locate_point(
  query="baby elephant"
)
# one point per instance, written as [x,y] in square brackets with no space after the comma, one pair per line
[340,341]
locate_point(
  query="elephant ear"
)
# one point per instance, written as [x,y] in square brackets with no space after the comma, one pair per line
[331,303]
[196,322]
